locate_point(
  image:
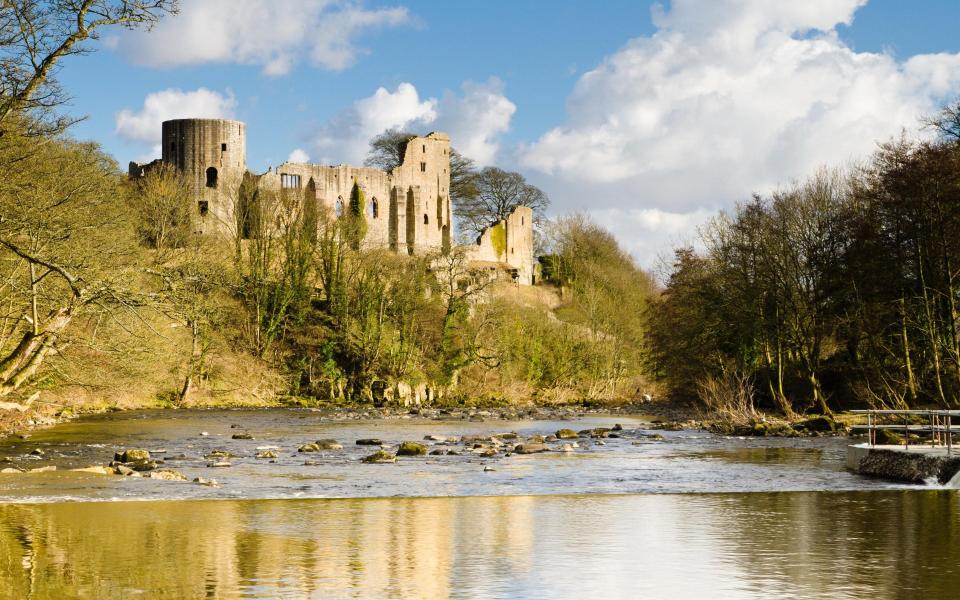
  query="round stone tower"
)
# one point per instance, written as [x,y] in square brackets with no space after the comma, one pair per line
[212,153]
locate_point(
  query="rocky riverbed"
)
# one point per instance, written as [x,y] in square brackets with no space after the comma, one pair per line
[282,453]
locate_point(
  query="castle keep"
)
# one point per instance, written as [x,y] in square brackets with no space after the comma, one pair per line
[407,209]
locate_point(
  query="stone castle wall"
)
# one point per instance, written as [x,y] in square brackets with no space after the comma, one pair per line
[509,244]
[213,154]
[408,208]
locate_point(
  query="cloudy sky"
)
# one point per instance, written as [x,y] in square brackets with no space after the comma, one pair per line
[649,116]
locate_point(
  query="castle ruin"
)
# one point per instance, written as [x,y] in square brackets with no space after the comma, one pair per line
[407,208]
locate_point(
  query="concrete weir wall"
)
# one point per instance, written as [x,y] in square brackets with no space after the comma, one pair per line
[916,465]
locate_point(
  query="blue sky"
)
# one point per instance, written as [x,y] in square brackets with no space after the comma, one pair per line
[649,119]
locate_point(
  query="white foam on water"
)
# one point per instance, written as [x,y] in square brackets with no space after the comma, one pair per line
[954,483]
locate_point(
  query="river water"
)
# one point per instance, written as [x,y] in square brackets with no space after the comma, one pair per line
[691,516]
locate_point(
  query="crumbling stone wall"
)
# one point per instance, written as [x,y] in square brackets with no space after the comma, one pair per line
[407,209]
[509,243]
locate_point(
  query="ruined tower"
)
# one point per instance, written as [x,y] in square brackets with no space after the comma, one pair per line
[212,153]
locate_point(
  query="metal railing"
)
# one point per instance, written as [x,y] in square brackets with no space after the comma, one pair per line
[939,425]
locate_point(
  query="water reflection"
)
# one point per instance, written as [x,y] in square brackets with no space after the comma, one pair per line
[800,545]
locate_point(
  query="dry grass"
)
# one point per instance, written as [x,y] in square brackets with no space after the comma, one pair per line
[729,397]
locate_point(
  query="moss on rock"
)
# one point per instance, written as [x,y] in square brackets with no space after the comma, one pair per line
[411,449]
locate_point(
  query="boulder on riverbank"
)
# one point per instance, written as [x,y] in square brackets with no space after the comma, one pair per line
[818,424]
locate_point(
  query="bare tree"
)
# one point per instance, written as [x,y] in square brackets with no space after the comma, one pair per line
[946,122]
[35,35]
[63,248]
[387,149]
[497,194]
[164,205]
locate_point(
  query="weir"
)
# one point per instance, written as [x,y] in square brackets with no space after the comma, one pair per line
[926,453]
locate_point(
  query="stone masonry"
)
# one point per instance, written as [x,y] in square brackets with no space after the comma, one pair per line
[407,208]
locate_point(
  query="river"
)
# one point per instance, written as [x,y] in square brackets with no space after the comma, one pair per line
[690,516]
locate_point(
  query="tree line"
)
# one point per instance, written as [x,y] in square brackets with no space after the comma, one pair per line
[836,291]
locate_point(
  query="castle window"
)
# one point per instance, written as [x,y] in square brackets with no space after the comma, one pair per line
[204,207]
[521,220]
[424,148]
[426,220]
[374,208]
[212,177]
[423,167]
[289,182]
[173,147]
[223,147]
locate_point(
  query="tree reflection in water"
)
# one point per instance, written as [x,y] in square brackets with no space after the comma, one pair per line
[829,545]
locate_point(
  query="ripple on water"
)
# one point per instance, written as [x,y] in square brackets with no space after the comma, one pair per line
[684,462]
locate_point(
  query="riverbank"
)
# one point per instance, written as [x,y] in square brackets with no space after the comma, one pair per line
[17,423]
[663,415]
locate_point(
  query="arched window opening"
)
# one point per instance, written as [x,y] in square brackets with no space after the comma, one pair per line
[211,177]
[374,208]
[426,220]
[338,207]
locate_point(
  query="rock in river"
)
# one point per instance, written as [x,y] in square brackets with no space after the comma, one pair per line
[529,448]
[369,442]
[309,448]
[411,449]
[242,436]
[328,444]
[266,454]
[567,434]
[132,455]
[99,470]
[380,457]
[168,475]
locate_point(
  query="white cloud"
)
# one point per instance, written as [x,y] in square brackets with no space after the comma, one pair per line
[346,137]
[650,233]
[726,98]
[298,156]
[272,34]
[473,120]
[144,125]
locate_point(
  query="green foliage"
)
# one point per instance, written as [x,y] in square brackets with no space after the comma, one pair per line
[358,213]
[837,290]
[498,238]
[164,207]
